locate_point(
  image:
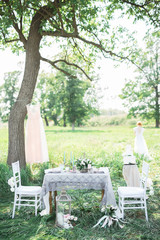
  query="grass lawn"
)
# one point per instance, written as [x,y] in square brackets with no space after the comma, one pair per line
[104,146]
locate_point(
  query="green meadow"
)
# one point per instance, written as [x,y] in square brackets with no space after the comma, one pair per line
[104,146]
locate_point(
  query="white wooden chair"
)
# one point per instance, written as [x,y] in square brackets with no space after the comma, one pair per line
[134,197]
[24,195]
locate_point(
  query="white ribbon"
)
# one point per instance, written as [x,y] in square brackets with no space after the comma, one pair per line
[108,220]
[100,220]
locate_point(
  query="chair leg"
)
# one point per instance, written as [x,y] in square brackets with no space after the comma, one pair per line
[121,206]
[119,203]
[142,204]
[39,202]
[19,202]
[122,202]
[36,205]
[146,214]
[14,206]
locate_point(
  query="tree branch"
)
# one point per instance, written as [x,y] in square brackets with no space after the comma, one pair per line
[99,46]
[136,4]
[21,18]
[60,69]
[144,7]
[74,35]
[53,63]
[59,14]
[80,52]
[8,41]
[74,65]
[74,21]
[15,25]
[58,34]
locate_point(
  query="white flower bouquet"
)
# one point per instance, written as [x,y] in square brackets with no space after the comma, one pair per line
[69,221]
[83,163]
[111,217]
[11,184]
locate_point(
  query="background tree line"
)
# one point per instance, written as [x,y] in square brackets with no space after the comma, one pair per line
[63,99]
[66,99]
[142,95]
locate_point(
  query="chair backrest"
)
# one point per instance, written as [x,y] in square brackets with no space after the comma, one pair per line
[144,176]
[16,174]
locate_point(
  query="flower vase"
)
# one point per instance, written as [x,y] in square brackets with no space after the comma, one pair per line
[85,170]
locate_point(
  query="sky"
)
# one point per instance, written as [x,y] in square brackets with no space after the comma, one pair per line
[112,79]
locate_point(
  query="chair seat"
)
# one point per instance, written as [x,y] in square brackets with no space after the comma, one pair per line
[29,190]
[131,191]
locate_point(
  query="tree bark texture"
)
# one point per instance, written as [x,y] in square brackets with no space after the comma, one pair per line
[16,150]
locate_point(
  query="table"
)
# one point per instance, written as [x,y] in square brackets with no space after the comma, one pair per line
[69,180]
[131,175]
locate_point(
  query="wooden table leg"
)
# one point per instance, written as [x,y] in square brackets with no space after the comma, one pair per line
[102,194]
[55,195]
[50,202]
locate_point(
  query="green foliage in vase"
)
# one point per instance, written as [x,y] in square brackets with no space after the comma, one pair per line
[82,163]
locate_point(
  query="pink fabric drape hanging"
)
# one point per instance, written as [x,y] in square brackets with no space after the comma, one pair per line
[35,140]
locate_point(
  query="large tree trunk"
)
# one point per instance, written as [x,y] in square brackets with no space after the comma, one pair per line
[16,150]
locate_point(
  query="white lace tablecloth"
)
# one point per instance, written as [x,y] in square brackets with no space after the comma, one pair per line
[68,180]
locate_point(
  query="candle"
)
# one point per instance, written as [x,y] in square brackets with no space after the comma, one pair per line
[60,219]
[64,158]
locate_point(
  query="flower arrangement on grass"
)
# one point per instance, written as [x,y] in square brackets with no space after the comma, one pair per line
[111,217]
[69,220]
[83,163]
[11,184]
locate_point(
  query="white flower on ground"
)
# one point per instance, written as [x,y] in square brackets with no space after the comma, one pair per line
[12,189]
[75,218]
[103,209]
[66,217]
[11,182]
[71,217]
[151,192]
